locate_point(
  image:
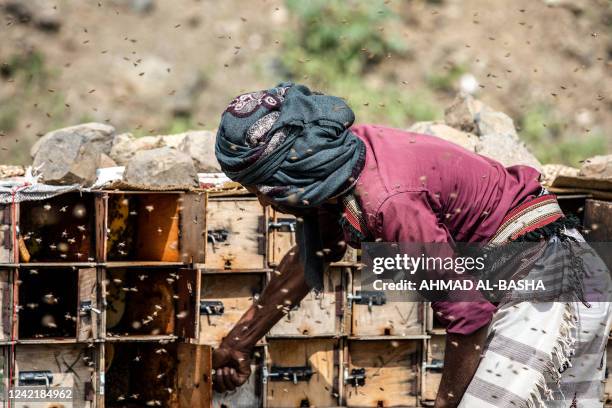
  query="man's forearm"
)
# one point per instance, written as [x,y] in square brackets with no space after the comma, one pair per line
[461,359]
[286,288]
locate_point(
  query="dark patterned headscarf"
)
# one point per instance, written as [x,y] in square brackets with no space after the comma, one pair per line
[289,143]
[294,146]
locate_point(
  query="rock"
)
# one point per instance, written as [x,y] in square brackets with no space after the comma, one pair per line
[551,171]
[8,170]
[200,145]
[472,116]
[462,113]
[163,167]
[465,140]
[597,167]
[42,13]
[507,150]
[72,154]
[126,145]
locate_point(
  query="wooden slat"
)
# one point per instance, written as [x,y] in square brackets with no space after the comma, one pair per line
[6,305]
[101,211]
[87,320]
[237,295]
[188,304]
[391,370]
[194,376]
[318,354]
[244,247]
[193,227]
[432,377]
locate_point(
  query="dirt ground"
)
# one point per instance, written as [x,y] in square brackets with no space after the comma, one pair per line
[144,70]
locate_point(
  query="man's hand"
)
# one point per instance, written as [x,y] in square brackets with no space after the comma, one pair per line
[232,368]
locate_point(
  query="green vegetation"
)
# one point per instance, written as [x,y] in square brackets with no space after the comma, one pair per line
[338,43]
[546,137]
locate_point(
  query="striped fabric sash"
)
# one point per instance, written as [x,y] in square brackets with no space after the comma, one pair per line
[528,217]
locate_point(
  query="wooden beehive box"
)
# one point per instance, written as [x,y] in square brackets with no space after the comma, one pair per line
[281,238]
[150,303]
[318,314]
[303,373]
[382,373]
[166,374]
[373,315]
[57,302]
[58,229]
[251,393]
[72,367]
[235,233]
[153,227]
[224,297]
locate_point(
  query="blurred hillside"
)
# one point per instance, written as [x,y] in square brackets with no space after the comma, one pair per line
[158,67]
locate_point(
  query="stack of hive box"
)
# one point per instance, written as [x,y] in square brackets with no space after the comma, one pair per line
[121,296]
[98,300]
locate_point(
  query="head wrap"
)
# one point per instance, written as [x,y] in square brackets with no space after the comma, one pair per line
[295,147]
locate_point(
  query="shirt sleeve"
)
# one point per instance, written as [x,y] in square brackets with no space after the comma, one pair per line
[408,217]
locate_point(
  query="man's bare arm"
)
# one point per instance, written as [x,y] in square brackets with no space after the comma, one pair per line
[461,359]
[286,288]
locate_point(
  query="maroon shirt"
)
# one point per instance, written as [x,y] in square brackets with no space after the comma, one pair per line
[420,188]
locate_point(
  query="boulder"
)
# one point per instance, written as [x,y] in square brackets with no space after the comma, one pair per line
[164,167]
[597,167]
[72,154]
[507,150]
[465,140]
[200,145]
[126,145]
[470,115]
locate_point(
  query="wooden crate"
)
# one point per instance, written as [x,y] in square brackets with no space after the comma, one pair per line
[434,364]
[223,300]
[382,373]
[44,366]
[150,303]
[172,375]
[318,314]
[236,234]
[373,315]
[281,238]
[57,302]
[145,226]
[303,373]
[251,393]
[59,229]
